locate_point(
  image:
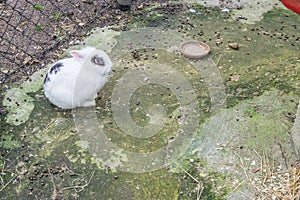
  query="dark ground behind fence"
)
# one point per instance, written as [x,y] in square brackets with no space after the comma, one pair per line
[32,31]
[30,28]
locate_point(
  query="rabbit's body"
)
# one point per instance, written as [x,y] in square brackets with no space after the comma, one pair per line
[74,82]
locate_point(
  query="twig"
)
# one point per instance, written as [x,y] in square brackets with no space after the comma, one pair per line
[2,172]
[8,183]
[236,187]
[2,181]
[221,56]
[261,160]
[266,167]
[81,187]
[199,193]
[54,193]
[247,195]
[188,173]
[243,167]
[47,126]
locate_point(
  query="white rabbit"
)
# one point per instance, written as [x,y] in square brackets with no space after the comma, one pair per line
[74,82]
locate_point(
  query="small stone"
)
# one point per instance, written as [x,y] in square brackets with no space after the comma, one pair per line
[5,71]
[77,42]
[226,10]
[73,131]
[241,17]
[234,45]
[192,10]
[247,38]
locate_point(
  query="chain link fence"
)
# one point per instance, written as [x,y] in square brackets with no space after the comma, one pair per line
[31,31]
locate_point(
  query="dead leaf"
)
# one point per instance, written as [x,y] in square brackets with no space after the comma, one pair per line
[235,78]
[26,60]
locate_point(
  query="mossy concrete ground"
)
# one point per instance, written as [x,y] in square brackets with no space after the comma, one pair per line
[43,155]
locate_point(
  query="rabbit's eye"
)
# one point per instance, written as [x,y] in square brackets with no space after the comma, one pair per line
[98,60]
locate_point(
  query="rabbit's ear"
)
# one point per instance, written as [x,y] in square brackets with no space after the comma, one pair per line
[78,55]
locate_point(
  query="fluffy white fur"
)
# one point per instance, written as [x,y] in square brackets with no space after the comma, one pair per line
[74,82]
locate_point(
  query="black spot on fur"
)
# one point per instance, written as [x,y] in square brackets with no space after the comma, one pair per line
[96,59]
[56,68]
[47,79]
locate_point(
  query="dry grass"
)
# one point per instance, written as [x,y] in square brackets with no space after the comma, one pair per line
[272,181]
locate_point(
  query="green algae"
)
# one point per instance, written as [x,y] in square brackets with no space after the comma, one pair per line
[262,84]
[259,126]
[19,103]
[100,38]
[8,142]
[151,186]
[18,114]
[211,184]
[155,94]
[259,67]
[208,183]
[250,13]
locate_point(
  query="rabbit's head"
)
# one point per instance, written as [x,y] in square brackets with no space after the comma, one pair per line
[93,59]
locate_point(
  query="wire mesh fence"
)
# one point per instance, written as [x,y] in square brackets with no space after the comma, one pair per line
[29,29]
